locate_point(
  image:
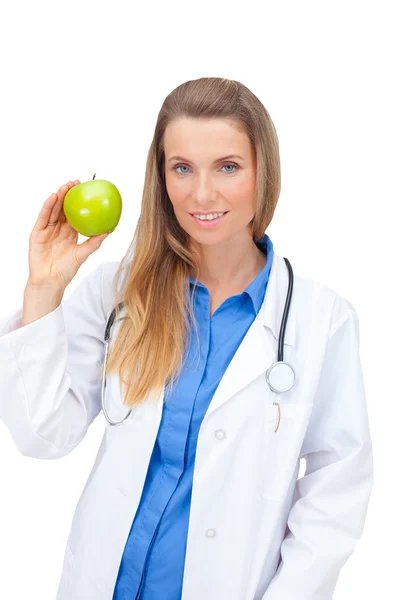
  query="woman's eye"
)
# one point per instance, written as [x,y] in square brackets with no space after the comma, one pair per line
[180,167]
[236,167]
[231,165]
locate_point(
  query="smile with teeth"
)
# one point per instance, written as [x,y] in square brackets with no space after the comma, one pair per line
[209,217]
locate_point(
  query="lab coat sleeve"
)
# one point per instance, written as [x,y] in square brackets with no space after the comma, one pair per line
[327,517]
[50,375]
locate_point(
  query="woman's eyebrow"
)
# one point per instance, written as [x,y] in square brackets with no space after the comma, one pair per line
[215,161]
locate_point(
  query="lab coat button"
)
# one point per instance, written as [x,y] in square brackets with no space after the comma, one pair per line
[219,434]
[210,533]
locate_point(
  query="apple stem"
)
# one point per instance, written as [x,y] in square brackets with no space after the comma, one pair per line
[93,176]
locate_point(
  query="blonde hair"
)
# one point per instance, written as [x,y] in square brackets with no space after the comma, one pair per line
[153,337]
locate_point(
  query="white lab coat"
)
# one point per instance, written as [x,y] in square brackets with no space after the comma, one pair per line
[256,532]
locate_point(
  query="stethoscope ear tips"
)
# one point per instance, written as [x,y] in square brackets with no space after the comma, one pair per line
[280,377]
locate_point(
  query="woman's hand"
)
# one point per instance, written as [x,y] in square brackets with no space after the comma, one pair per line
[54,255]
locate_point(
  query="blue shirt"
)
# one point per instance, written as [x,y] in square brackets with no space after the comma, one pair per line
[152,563]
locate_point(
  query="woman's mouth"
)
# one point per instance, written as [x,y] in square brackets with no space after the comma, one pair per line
[207,222]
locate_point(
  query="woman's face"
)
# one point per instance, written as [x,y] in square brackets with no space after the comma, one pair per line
[200,181]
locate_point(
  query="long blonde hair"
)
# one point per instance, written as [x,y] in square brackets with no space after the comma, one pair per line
[153,337]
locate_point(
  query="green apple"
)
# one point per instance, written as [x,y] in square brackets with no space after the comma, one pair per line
[93,207]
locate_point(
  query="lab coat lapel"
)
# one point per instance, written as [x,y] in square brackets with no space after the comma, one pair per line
[259,348]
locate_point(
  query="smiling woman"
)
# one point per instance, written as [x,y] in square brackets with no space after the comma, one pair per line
[195,495]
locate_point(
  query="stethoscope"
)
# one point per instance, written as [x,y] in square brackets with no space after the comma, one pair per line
[280,375]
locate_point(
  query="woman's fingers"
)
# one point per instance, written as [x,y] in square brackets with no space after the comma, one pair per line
[57,213]
[44,215]
[52,209]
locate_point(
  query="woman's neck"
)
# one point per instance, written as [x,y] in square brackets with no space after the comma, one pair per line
[230,265]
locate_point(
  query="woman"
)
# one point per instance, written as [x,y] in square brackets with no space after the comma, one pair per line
[196,494]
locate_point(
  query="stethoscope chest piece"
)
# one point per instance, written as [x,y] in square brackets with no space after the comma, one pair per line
[280,377]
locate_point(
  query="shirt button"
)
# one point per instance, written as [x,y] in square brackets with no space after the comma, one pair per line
[219,434]
[210,533]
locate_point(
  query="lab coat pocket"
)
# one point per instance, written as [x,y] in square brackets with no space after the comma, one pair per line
[283,434]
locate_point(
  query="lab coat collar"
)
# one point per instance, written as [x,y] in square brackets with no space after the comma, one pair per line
[259,347]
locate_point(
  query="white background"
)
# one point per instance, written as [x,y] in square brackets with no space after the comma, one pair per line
[82,83]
